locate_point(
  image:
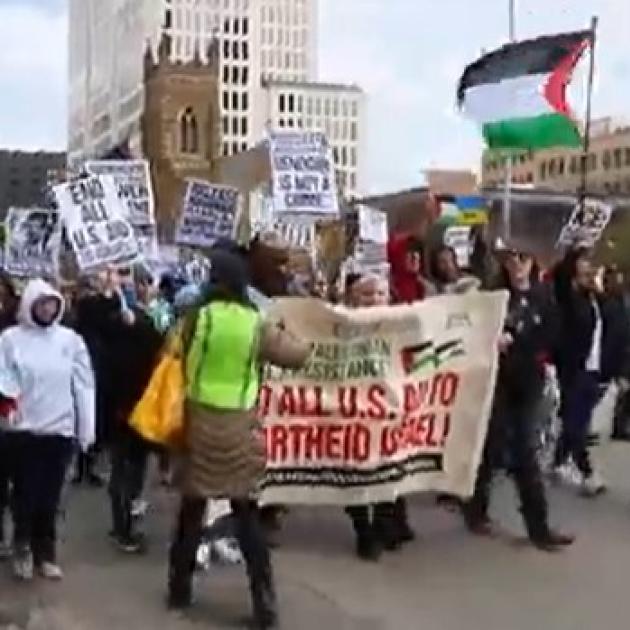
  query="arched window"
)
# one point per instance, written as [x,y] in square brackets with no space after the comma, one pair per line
[188,132]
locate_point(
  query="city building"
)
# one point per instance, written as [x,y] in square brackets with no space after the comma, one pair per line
[608,164]
[180,126]
[337,110]
[25,177]
[261,42]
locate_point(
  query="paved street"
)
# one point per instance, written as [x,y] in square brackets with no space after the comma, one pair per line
[445,581]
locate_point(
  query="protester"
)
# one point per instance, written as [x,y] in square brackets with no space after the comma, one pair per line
[405,259]
[139,345]
[161,306]
[589,343]
[47,379]
[9,303]
[447,277]
[529,335]
[224,456]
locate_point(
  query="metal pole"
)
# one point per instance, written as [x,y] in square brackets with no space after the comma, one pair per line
[507,192]
[587,122]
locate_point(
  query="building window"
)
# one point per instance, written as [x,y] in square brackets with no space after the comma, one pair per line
[552,167]
[560,166]
[245,76]
[245,101]
[237,26]
[235,100]
[573,165]
[606,161]
[226,74]
[245,47]
[282,104]
[592,162]
[617,158]
[226,125]
[244,130]
[188,132]
[236,50]
[627,152]
[530,178]
[354,132]
[226,100]
[291,103]
[168,19]
[245,26]
[235,148]
[353,157]
[235,126]
[543,170]
[226,49]
[244,146]
[235,75]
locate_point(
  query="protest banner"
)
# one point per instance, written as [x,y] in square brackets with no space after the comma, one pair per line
[586,223]
[303,174]
[393,400]
[208,214]
[94,219]
[32,242]
[133,185]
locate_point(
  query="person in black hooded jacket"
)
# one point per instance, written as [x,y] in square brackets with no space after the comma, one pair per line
[528,337]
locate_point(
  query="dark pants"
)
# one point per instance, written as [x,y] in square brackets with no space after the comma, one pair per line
[251,538]
[129,456]
[621,422]
[5,484]
[39,465]
[580,396]
[513,433]
[373,523]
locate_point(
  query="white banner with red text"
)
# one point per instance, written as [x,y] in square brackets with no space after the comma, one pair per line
[393,401]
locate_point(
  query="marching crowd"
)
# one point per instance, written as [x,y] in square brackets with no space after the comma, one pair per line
[75,361]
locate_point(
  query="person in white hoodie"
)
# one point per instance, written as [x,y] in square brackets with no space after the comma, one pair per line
[46,379]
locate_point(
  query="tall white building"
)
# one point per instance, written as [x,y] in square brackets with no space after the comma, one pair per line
[264,43]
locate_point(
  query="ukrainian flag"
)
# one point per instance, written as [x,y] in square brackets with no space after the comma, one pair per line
[463,211]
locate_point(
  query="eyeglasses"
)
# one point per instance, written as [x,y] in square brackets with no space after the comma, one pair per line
[520,256]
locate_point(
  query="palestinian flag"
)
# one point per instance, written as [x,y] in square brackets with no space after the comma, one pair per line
[518,93]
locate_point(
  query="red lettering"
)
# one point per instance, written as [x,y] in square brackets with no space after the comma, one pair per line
[411,399]
[297,433]
[388,444]
[314,442]
[448,389]
[264,400]
[447,428]
[348,402]
[431,441]
[377,409]
[435,389]
[361,444]
[278,443]
[287,403]
[320,410]
[333,442]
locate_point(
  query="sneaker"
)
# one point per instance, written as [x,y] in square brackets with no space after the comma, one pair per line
[593,485]
[134,544]
[23,566]
[50,571]
[552,541]
[568,474]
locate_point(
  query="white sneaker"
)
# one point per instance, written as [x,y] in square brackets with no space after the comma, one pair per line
[568,474]
[593,485]
[23,566]
[227,551]
[50,571]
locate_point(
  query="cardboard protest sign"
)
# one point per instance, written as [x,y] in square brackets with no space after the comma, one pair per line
[95,223]
[133,185]
[208,214]
[587,223]
[303,174]
[32,242]
[393,400]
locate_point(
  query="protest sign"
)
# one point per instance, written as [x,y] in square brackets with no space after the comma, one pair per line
[393,400]
[372,225]
[303,174]
[586,223]
[146,236]
[209,214]
[95,223]
[459,239]
[133,185]
[32,242]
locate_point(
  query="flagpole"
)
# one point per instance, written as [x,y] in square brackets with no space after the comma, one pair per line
[587,123]
[507,188]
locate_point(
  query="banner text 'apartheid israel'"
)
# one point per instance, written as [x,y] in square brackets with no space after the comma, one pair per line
[303,174]
[394,400]
[94,219]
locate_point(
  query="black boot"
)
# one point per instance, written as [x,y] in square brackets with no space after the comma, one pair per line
[368,545]
[385,528]
[264,602]
[401,521]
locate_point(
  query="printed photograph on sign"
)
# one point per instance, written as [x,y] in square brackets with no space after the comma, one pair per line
[96,223]
[587,223]
[32,242]
[133,185]
[208,214]
[372,225]
[303,174]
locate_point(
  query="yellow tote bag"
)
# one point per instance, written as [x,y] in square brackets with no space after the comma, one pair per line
[159,415]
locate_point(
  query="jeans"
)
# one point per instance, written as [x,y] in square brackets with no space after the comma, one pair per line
[513,428]
[251,538]
[39,465]
[5,483]
[580,396]
[129,456]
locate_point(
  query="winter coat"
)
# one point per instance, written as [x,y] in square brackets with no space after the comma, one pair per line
[224,454]
[47,370]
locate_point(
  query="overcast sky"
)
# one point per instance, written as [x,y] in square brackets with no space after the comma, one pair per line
[407,55]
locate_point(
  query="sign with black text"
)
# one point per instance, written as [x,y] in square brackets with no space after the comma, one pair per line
[133,185]
[95,222]
[32,242]
[209,214]
[303,174]
[587,222]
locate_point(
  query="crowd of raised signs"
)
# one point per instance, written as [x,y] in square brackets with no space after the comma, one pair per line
[77,360]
